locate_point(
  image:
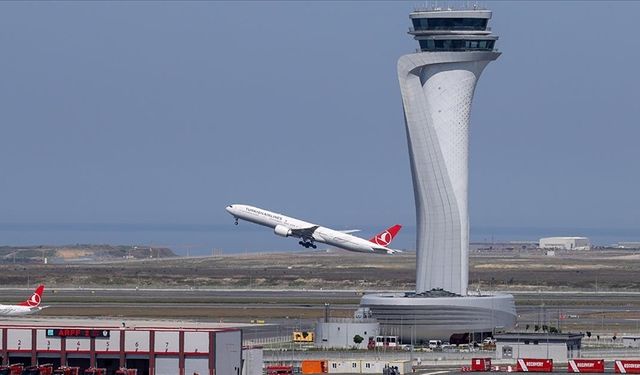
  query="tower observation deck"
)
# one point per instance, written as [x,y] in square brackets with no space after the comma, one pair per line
[452,30]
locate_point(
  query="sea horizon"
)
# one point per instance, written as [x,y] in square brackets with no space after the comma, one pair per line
[204,239]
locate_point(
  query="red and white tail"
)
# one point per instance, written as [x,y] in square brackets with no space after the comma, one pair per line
[384,238]
[35,299]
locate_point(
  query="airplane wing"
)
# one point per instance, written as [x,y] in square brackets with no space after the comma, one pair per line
[349,231]
[304,233]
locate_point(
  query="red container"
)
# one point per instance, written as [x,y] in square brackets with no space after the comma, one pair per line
[534,365]
[627,367]
[585,365]
[480,364]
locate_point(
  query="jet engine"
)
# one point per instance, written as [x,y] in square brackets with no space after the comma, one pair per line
[281,230]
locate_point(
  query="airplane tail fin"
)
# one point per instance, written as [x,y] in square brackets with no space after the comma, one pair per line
[35,299]
[384,238]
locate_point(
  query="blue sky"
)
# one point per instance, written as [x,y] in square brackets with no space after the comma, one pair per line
[165,112]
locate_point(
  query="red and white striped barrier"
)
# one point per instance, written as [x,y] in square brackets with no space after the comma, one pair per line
[586,365]
[534,365]
[627,367]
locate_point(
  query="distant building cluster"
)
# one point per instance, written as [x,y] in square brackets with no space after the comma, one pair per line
[565,243]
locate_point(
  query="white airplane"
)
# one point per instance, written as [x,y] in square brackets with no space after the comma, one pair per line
[30,306]
[310,233]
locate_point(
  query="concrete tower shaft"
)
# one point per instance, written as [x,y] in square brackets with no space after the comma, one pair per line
[437,91]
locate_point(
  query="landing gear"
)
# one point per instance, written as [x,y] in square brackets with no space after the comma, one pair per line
[236,222]
[307,244]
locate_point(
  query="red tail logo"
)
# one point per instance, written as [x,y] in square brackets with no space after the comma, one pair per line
[385,238]
[35,299]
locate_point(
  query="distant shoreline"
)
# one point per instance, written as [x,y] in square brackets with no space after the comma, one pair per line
[204,239]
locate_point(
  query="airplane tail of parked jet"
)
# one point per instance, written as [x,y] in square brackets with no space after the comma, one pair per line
[30,306]
[385,237]
[35,299]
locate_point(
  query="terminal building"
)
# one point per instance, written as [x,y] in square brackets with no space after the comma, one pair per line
[565,243]
[437,84]
[152,348]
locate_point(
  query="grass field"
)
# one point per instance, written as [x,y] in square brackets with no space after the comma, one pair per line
[603,270]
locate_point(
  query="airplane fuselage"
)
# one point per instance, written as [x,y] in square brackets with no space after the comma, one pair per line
[16,310]
[286,226]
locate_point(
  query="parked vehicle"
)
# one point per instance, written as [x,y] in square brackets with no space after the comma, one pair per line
[434,344]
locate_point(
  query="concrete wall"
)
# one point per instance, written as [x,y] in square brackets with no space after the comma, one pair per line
[252,361]
[365,366]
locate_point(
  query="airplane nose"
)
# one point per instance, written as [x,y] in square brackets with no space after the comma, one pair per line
[229,208]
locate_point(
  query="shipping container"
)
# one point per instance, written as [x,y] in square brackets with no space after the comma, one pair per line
[627,366]
[279,370]
[481,364]
[314,367]
[534,365]
[586,365]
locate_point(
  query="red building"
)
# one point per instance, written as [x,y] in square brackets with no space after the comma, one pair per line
[153,348]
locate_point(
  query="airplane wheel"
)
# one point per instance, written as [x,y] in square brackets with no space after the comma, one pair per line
[314,246]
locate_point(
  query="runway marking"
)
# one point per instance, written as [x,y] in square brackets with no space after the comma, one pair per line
[436,372]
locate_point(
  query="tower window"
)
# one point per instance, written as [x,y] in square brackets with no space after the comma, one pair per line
[455,45]
[473,24]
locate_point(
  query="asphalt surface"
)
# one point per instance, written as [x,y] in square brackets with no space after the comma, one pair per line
[603,313]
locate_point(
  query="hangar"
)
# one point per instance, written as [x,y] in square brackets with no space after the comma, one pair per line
[151,347]
[565,243]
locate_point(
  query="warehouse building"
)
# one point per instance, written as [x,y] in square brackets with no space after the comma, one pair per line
[565,243]
[153,348]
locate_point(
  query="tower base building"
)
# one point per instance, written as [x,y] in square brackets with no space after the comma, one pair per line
[432,316]
[437,86]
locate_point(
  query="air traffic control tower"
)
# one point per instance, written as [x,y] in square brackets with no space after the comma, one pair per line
[437,85]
